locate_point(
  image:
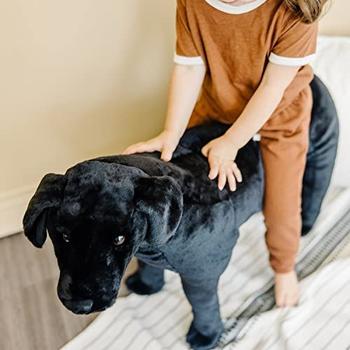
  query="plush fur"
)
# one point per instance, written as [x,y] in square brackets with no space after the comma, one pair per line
[104,211]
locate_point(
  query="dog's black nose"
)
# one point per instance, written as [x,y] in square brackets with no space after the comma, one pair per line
[79,306]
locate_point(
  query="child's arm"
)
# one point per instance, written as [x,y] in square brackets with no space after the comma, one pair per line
[185,85]
[222,151]
[262,104]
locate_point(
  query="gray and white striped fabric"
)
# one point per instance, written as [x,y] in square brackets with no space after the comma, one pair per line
[321,320]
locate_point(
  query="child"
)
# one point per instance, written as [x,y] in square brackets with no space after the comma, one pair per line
[250,57]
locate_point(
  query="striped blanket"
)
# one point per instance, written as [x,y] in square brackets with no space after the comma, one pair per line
[320,321]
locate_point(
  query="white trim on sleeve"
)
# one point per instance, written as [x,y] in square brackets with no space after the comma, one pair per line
[291,61]
[188,61]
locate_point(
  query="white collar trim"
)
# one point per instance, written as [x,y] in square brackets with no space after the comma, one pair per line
[224,7]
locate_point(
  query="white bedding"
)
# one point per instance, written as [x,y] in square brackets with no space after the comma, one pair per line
[321,321]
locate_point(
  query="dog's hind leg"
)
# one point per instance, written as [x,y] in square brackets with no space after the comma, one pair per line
[207,326]
[146,280]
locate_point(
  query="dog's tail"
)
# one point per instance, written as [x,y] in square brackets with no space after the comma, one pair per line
[324,136]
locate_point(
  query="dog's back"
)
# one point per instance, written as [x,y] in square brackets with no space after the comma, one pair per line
[190,169]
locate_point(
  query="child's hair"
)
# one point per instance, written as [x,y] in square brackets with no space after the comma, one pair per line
[307,10]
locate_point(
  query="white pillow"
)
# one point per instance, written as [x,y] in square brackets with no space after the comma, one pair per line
[332,65]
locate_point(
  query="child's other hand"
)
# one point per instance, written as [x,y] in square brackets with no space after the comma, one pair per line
[221,154]
[287,291]
[165,143]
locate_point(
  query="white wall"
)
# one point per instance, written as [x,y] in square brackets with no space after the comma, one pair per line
[77,80]
[80,79]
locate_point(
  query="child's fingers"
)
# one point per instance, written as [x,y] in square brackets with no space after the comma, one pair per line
[281,300]
[231,181]
[204,150]
[222,178]
[214,168]
[292,298]
[142,147]
[132,149]
[167,154]
[214,171]
[149,146]
[237,172]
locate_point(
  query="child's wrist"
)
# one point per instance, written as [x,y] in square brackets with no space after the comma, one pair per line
[232,140]
[176,134]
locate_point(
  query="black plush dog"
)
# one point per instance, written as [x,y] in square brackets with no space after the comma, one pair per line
[104,211]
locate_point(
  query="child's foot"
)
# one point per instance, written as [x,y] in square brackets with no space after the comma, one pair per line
[286,289]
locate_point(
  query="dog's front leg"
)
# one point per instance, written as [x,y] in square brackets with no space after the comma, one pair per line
[146,280]
[207,326]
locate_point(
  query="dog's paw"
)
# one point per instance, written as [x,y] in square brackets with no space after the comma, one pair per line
[136,285]
[198,341]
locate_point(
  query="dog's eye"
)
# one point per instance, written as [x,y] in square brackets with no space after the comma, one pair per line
[119,240]
[66,237]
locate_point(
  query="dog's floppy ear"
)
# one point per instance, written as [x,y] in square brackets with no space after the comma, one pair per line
[160,199]
[48,195]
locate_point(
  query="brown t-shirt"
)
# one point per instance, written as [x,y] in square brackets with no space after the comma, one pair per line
[236,43]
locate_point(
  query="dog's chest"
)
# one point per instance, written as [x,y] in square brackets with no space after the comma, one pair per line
[153,257]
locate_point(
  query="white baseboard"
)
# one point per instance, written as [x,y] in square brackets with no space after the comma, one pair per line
[12,207]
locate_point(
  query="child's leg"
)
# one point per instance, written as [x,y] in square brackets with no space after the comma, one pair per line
[284,144]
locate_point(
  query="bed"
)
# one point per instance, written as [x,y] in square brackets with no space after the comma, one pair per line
[322,318]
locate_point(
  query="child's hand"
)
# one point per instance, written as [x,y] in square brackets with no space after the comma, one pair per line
[221,154]
[287,291]
[165,143]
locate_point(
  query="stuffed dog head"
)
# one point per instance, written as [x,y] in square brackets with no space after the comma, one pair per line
[97,215]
